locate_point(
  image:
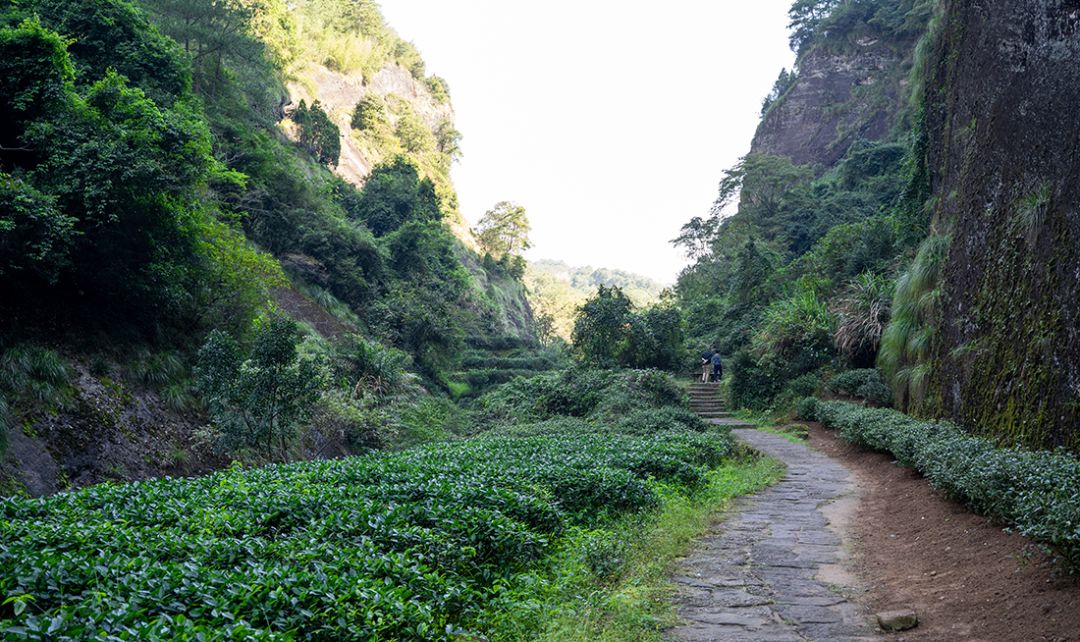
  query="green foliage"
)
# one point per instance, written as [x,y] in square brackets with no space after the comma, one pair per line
[34,379]
[578,392]
[420,545]
[504,230]
[260,397]
[415,136]
[1034,492]
[406,55]
[318,134]
[799,326]
[394,194]
[866,383]
[214,34]
[111,35]
[906,342]
[370,113]
[806,16]
[115,189]
[371,368]
[601,328]
[439,88]
[647,421]
[863,313]
[35,236]
[806,408]
[783,82]
[609,331]
[448,140]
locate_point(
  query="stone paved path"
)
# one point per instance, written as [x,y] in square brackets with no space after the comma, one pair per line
[754,577]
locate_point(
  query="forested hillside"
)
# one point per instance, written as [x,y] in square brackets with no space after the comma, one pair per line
[211,203]
[899,230]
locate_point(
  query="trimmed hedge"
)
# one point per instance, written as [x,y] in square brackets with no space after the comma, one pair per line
[1037,493]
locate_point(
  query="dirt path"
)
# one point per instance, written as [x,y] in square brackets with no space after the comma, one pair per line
[770,572]
[968,580]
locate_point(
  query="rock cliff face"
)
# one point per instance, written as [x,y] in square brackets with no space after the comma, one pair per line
[840,95]
[1004,158]
[339,93]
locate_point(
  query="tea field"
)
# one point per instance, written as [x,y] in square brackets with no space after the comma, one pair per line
[416,545]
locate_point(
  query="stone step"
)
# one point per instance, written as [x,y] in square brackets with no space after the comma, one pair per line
[715,415]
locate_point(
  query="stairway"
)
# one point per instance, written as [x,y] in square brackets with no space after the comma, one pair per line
[705,401]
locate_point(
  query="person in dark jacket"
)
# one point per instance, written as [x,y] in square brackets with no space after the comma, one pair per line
[717,367]
[706,364]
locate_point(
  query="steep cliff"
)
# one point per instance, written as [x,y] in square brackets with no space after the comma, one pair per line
[1004,156]
[849,85]
[838,97]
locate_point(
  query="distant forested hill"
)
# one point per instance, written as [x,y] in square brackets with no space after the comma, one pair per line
[557,289]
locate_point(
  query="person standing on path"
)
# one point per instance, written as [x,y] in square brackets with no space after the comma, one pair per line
[717,367]
[706,363]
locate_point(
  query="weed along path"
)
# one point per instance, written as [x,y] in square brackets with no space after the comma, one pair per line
[770,572]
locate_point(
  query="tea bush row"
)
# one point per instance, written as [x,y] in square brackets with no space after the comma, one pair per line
[1035,492]
[404,546]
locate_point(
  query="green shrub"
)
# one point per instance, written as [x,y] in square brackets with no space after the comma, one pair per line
[369,113]
[1037,493]
[370,367]
[578,392]
[866,384]
[260,397]
[647,421]
[803,385]
[806,408]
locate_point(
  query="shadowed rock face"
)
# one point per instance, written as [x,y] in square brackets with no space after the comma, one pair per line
[839,97]
[1004,157]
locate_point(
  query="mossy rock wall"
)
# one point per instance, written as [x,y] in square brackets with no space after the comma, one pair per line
[1003,94]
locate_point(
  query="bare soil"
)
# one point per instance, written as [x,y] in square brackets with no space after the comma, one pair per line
[965,577]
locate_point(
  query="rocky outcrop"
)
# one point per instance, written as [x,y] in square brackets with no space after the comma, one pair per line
[1004,159]
[339,92]
[840,95]
[112,430]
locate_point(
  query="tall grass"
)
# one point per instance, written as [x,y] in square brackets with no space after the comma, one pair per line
[906,342]
[863,314]
[35,377]
[799,321]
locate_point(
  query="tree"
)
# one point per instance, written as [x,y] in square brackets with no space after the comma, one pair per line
[318,134]
[601,329]
[697,236]
[806,16]
[448,140]
[779,88]
[395,194]
[369,114]
[260,399]
[211,32]
[504,230]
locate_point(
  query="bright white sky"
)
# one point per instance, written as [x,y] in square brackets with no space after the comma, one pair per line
[610,121]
